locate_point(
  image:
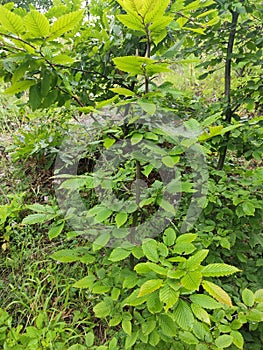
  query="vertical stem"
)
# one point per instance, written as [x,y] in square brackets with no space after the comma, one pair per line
[228,67]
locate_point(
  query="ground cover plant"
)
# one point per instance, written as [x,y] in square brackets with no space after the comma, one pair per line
[131,167]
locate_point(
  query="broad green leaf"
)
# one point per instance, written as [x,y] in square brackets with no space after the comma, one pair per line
[108,142]
[65,23]
[101,241]
[149,108]
[19,86]
[102,309]
[192,280]
[136,138]
[183,315]
[248,208]
[150,250]
[194,261]
[148,326]
[205,301]
[35,96]
[156,268]
[66,255]
[123,91]
[238,339]
[37,24]
[89,339]
[167,325]
[85,282]
[188,338]
[169,236]
[62,59]
[200,313]
[100,289]
[130,340]
[150,286]
[248,297]
[127,326]
[132,22]
[103,214]
[186,238]
[55,230]
[121,218]
[119,254]
[168,296]
[154,303]
[217,270]
[134,299]
[255,315]
[11,22]
[224,341]
[37,218]
[217,292]
[74,183]
[259,296]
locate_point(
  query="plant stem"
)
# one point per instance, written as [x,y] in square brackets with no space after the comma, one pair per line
[228,67]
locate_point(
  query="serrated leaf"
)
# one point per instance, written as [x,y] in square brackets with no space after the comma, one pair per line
[19,86]
[205,301]
[224,341]
[200,313]
[35,96]
[168,296]
[134,299]
[101,241]
[217,292]
[150,250]
[37,218]
[167,325]
[192,280]
[85,282]
[102,309]
[194,261]
[248,297]
[55,230]
[132,22]
[183,315]
[218,270]
[37,24]
[188,338]
[11,21]
[150,286]
[148,326]
[120,219]
[65,23]
[119,254]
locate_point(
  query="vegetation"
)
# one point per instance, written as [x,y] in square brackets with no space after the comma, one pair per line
[131,162]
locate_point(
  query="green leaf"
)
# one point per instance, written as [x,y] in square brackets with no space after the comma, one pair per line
[150,286]
[123,91]
[188,338]
[62,59]
[101,241]
[19,86]
[132,22]
[65,23]
[186,238]
[130,340]
[35,97]
[217,292]
[102,214]
[37,24]
[85,282]
[168,296]
[248,297]
[11,21]
[56,230]
[149,108]
[136,138]
[119,254]
[66,255]
[37,218]
[248,208]
[192,280]
[150,250]
[238,339]
[120,219]
[259,296]
[148,326]
[224,341]
[194,261]
[89,339]
[102,309]
[74,184]
[183,315]
[134,299]
[200,313]
[255,315]
[217,270]
[205,301]
[169,236]
[167,325]
[127,326]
